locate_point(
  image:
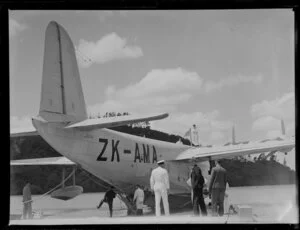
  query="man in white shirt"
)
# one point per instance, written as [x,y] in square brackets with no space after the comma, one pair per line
[139,200]
[159,182]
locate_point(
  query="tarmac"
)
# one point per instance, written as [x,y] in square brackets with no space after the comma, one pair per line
[179,218]
[270,205]
[98,217]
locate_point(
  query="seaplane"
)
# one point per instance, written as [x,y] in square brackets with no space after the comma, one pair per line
[119,159]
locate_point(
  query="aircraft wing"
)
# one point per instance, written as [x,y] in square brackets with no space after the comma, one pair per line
[43,161]
[114,121]
[214,153]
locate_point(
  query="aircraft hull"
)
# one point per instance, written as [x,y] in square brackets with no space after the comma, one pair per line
[120,159]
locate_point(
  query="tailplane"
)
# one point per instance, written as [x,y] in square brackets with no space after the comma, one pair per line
[62,98]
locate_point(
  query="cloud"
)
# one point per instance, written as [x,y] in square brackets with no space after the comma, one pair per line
[283,107]
[212,130]
[211,86]
[159,91]
[15,28]
[157,81]
[20,122]
[166,90]
[268,114]
[273,133]
[108,48]
[266,123]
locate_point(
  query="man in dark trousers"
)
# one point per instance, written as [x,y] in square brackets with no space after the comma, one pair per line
[108,198]
[197,181]
[217,186]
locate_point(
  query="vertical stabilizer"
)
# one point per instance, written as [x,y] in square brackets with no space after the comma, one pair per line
[61,97]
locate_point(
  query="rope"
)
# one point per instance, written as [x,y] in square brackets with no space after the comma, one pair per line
[50,189]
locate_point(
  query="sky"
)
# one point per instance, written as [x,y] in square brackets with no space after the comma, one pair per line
[212,68]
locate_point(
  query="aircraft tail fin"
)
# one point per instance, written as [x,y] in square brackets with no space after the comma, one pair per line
[62,98]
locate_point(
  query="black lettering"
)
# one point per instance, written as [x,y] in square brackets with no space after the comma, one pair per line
[127,151]
[142,158]
[137,153]
[154,156]
[114,148]
[146,154]
[100,158]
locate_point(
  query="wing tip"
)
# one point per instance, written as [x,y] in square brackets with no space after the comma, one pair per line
[164,115]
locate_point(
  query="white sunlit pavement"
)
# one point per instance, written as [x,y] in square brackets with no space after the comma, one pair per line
[173,219]
[270,204]
[101,217]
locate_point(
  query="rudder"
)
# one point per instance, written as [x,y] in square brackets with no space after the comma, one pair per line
[61,97]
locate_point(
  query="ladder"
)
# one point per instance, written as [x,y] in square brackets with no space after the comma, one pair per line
[121,195]
[128,203]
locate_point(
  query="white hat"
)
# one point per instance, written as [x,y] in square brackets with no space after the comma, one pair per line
[161,162]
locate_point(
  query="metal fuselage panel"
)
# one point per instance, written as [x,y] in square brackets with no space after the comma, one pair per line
[120,159]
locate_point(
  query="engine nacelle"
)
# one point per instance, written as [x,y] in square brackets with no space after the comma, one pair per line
[67,193]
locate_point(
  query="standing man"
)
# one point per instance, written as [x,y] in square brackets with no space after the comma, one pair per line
[159,182]
[217,188]
[197,181]
[139,200]
[27,209]
[108,198]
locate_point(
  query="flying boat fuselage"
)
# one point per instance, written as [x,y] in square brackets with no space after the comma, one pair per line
[117,158]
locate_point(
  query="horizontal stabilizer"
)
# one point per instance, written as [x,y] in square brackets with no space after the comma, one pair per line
[114,121]
[43,161]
